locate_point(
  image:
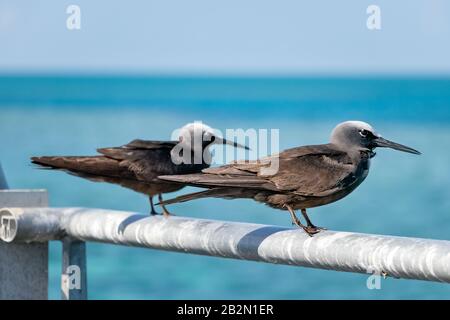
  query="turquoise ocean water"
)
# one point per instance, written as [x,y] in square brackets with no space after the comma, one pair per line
[404,195]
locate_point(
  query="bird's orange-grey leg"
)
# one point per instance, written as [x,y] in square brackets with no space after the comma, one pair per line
[297,222]
[310,225]
[152,210]
[166,213]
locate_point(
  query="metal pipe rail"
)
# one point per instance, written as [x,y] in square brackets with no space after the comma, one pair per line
[397,257]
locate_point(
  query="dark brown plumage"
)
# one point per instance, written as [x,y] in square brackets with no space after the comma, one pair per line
[307,177]
[138,164]
[135,165]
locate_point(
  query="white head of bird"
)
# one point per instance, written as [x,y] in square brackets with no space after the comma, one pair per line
[356,136]
[196,138]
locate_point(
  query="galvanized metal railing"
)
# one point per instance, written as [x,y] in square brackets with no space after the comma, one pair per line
[397,257]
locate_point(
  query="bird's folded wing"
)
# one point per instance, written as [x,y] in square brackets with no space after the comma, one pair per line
[313,174]
[128,151]
[315,170]
[303,173]
[213,180]
[146,159]
[149,144]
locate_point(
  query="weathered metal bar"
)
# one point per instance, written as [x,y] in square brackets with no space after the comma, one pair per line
[397,257]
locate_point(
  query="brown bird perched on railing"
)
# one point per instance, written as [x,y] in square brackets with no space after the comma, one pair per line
[307,177]
[138,164]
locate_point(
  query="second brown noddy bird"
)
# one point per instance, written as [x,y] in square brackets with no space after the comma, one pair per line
[307,177]
[138,164]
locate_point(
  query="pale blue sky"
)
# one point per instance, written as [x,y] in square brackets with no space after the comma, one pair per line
[226,36]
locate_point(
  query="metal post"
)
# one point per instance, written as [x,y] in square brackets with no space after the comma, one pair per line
[23,267]
[3,183]
[74,272]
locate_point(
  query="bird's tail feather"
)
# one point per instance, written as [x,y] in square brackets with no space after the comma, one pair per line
[226,193]
[188,197]
[95,165]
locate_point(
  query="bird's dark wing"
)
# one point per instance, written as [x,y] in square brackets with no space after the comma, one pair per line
[207,180]
[150,144]
[126,151]
[146,159]
[314,174]
[308,171]
[138,160]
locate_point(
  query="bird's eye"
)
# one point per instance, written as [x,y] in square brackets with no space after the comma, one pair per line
[364,133]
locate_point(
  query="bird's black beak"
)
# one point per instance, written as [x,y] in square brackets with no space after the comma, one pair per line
[230,143]
[384,143]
